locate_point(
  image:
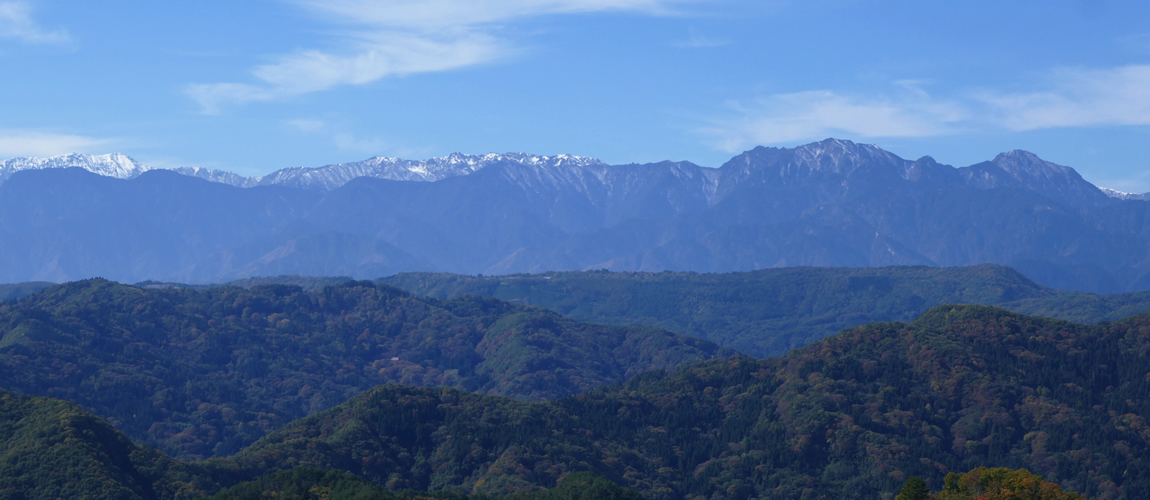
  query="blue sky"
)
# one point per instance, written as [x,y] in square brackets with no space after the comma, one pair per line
[264,84]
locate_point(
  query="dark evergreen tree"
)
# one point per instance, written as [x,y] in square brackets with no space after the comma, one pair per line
[914,489]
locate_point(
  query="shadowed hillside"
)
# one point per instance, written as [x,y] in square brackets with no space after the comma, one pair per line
[769,312]
[848,417]
[202,373]
[852,416]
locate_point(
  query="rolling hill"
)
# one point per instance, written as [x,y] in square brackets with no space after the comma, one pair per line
[200,373]
[852,416]
[771,311]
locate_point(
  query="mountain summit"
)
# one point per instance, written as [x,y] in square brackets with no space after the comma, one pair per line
[115,165]
[829,203]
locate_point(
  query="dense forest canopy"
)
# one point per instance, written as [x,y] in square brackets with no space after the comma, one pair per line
[201,373]
[848,417]
[761,313]
[852,416]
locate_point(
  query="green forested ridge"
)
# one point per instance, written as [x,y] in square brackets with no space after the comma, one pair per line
[849,417]
[770,311]
[309,483]
[852,416]
[1084,307]
[54,449]
[309,283]
[762,313]
[201,373]
[17,290]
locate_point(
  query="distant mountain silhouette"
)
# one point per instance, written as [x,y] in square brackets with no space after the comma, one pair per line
[830,203]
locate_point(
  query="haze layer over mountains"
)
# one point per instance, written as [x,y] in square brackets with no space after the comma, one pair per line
[831,203]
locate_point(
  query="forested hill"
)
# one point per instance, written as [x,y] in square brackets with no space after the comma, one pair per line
[16,290]
[762,313]
[202,373]
[852,416]
[770,311]
[849,417]
[54,449]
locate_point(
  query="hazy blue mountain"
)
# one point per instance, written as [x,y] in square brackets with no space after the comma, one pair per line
[831,203]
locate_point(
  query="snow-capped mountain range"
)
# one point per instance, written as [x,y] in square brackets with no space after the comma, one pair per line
[329,177]
[324,178]
[829,203]
[116,165]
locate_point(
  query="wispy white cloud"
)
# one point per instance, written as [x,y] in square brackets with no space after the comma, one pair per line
[14,143]
[439,14]
[339,136]
[781,118]
[306,125]
[353,143]
[371,57]
[386,38]
[16,22]
[696,40]
[1077,98]
[1065,98]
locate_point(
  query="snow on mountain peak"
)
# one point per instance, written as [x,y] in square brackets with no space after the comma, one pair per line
[1121,195]
[116,165]
[329,177]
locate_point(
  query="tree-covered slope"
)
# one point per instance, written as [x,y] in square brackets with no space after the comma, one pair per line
[1083,307]
[309,483]
[852,416]
[769,312]
[997,483]
[201,373]
[54,449]
[762,313]
[16,290]
[849,417]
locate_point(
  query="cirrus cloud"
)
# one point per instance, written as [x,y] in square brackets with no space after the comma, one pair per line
[1063,98]
[385,38]
[1077,97]
[783,118]
[440,14]
[15,143]
[16,22]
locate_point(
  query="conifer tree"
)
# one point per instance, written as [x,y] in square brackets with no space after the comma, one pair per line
[914,489]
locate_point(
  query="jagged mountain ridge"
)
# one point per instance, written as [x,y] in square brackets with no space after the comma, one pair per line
[324,178]
[829,156]
[433,169]
[831,203]
[116,165]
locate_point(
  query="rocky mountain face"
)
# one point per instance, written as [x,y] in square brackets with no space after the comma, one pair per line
[830,203]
